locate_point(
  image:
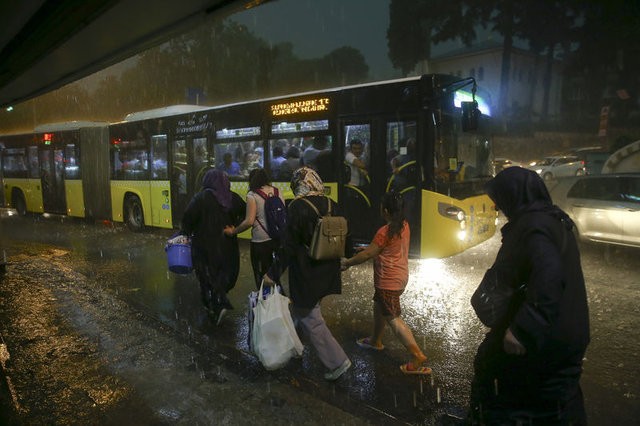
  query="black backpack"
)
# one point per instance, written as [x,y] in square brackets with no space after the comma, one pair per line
[275,213]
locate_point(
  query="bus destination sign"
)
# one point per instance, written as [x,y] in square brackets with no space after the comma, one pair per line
[300,107]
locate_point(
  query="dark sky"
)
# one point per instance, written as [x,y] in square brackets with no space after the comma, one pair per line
[316,27]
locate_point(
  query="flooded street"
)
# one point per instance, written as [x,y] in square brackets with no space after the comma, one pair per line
[95,327]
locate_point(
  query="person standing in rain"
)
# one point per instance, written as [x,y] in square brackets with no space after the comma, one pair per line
[310,280]
[216,257]
[390,251]
[527,369]
[262,248]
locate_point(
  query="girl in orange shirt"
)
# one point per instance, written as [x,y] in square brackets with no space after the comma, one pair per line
[390,253]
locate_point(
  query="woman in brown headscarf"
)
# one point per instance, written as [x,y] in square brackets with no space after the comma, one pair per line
[216,258]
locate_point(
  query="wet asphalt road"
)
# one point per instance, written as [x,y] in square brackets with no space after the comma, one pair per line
[132,268]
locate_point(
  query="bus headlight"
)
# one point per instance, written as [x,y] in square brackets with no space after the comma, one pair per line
[462,235]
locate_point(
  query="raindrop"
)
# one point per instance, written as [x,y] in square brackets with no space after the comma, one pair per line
[202,375]
[495,386]
[101,254]
[268,387]
[414,399]
[395,400]
[176,314]
[168,277]
[219,371]
[438,395]
[421,391]
[129,256]
[431,381]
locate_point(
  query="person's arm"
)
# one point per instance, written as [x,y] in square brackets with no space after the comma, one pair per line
[544,291]
[371,251]
[250,217]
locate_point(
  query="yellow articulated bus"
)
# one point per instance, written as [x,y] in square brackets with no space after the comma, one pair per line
[426,137]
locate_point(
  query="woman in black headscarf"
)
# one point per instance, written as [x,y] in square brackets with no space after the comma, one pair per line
[527,369]
[216,257]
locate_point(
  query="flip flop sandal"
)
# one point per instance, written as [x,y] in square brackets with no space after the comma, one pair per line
[365,343]
[409,368]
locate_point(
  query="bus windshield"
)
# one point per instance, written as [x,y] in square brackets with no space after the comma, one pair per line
[462,160]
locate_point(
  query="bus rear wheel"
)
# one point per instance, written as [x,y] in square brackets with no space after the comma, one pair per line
[133,214]
[19,203]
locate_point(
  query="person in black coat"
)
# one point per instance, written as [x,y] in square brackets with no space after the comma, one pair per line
[215,256]
[310,280]
[527,370]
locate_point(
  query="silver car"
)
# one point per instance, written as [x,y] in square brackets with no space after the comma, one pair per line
[558,166]
[605,208]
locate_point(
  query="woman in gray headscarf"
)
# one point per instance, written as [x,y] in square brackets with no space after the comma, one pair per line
[528,368]
[310,280]
[216,258]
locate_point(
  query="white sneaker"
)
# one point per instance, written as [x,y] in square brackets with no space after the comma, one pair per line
[335,374]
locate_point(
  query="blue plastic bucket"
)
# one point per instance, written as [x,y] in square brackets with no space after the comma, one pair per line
[179,258]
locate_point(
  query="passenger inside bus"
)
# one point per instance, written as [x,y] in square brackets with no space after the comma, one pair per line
[229,165]
[357,163]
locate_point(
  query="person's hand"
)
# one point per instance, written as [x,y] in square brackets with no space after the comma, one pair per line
[268,281]
[228,230]
[343,264]
[512,345]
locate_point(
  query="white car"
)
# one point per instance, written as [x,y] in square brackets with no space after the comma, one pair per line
[558,166]
[605,208]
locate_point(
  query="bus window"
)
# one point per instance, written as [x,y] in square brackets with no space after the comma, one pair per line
[34,163]
[401,154]
[71,162]
[131,158]
[464,156]
[159,157]
[237,159]
[282,168]
[356,159]
[317,154]
[14,165]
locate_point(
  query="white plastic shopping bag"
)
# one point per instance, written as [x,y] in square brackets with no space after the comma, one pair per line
[273,336]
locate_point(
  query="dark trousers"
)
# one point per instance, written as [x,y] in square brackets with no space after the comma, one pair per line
[262,256]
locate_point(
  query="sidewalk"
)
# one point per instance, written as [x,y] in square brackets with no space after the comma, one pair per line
[79,355]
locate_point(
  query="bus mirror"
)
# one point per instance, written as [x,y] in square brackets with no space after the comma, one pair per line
[470,116]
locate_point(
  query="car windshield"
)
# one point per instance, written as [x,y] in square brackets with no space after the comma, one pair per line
[545,162]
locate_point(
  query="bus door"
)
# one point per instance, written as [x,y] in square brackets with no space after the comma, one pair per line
[51,179]
[190,161]
[403,173]
[361,187]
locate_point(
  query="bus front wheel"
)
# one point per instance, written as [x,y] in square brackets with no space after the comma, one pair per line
[133,213]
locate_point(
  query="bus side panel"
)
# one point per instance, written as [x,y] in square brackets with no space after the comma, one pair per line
[30,188]
[443,235]
[119,189]
[160,205]
[74,196]
[94,156]
[481,219]
[33,195]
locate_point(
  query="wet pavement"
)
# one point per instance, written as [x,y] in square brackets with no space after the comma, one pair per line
[95,330]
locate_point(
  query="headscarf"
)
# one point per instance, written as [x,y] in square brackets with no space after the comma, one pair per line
[516,190]
[217,182]
[306,181]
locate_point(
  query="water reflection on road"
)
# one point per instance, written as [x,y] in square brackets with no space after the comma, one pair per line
[435,306]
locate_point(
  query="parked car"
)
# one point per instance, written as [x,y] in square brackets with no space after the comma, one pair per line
[501,163]
[558,166]
[605,208]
